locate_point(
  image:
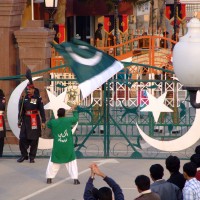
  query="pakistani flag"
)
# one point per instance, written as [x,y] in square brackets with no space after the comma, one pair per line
[91,66]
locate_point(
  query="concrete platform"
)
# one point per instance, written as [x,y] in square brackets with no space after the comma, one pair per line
[26,181]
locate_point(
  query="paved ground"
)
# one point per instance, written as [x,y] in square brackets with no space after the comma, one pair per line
[22,181]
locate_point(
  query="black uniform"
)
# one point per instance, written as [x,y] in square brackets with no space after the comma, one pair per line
[98,34]
[2,121]
[30,116]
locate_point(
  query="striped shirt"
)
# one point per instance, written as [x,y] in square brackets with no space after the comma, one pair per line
[191,191]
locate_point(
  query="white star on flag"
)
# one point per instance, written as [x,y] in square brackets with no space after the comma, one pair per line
[56,102]
[156,106]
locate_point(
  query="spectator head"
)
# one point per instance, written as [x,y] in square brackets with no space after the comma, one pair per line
[172,164]
[145,33]
[105,193]
[165,33]
[61,112]
[197,149]
[189,170]
[156,171]
[100,25]
[195,158]
[142,182]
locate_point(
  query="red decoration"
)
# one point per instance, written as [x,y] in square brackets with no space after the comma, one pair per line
[108,23]
[169,10]
[123,23]
[60,33]
[181,13]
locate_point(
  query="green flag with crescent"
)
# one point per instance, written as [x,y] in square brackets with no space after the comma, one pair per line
[92,67]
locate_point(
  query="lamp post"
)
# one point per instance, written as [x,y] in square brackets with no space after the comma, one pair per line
[152,16]
[116,13]
[51,7]
[186,60]
[175,18]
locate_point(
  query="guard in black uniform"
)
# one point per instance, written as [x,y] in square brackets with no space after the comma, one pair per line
[2,121]
[31,120]
[98,34]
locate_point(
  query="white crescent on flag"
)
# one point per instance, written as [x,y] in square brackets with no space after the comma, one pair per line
[86,61]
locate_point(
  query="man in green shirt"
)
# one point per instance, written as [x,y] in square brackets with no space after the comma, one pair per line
[63,146]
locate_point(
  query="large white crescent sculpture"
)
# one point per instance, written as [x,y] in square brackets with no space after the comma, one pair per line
[12,115]
[181,143]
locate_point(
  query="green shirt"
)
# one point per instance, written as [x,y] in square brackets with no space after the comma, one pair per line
[63,145]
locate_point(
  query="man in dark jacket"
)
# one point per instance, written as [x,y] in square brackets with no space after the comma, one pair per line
[173,165]
[160,186]
[31,112]
[2,121]
[104,193]
[98,35]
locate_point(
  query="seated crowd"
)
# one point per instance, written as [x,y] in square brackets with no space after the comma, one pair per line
[178,186]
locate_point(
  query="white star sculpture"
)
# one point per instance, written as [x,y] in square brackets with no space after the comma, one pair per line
[156,106]
[56,102]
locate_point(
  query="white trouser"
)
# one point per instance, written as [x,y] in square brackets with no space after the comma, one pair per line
[53,168]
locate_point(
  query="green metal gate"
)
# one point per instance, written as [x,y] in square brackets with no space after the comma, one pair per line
[108,117]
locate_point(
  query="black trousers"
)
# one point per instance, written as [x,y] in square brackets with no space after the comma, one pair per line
[24,144]
[1,145]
